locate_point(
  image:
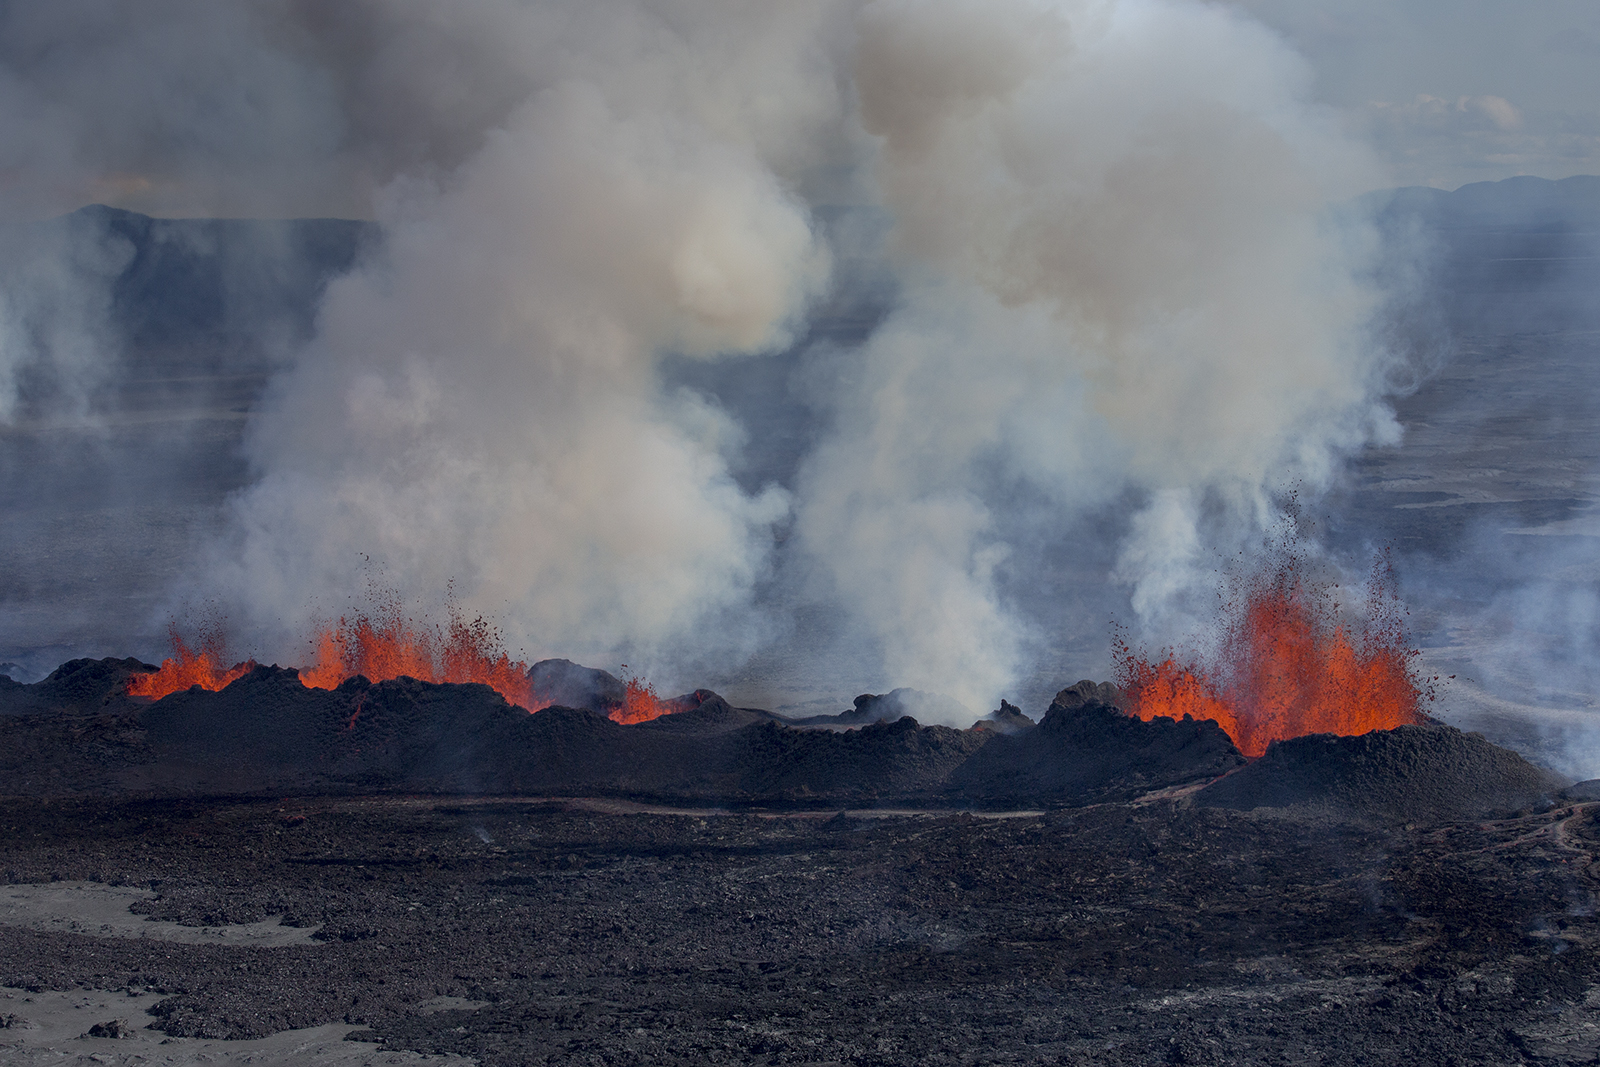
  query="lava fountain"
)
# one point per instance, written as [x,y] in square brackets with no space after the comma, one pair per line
[386,644]
[1287,663]
[201,665]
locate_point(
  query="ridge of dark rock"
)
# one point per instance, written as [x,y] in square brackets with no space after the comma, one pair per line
[1410,773]
[1084,752]
[77,731]
[1007,719]
[77,687]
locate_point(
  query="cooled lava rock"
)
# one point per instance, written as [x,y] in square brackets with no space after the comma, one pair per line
[268,731]
[1086,750]
[1409,774]
[704,712]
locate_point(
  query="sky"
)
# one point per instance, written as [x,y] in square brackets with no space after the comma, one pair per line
[253,109]
[1452,93]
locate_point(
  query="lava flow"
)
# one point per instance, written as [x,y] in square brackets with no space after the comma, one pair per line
[1287,665]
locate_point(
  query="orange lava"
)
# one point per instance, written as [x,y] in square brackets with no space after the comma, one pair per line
[386,644]
[1287,665]
[640,704]
[190,667]
[389,645]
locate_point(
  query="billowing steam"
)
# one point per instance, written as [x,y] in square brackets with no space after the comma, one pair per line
[480,403]
[1119,270]
[1119,286]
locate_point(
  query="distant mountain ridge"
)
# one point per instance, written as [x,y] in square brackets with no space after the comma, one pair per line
[1524,202]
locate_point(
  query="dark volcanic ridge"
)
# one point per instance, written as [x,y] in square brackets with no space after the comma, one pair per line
[1410,774]
[77,731]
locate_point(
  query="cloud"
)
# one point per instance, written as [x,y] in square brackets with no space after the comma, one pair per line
[1446,141]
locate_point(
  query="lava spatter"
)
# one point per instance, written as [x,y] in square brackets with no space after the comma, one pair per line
[202,665]
[1287,663]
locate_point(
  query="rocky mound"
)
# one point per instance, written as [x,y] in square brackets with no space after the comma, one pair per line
[77,687]
[704,712]
[565,683]
[1086,750]
[266,731]
[1408,774]
[74,731]
[1087,692]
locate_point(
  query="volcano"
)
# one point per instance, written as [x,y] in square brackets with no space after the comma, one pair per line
[425,867]
[87,729]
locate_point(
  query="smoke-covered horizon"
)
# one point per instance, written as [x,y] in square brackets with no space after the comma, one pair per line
[817,348]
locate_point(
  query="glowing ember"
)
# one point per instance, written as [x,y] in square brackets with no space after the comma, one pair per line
[1287,665]
[188,667]
[640,704]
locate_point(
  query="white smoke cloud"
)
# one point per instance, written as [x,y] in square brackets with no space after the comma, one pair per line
[481,405]
[1120,269]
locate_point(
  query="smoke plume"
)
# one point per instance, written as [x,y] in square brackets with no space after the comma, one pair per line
[1120,271]
[1119,296]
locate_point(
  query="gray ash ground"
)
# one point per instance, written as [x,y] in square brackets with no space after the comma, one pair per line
[1154,932]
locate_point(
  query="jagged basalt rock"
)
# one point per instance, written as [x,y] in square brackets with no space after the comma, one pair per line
[703,712]
[267,732]
[886,759]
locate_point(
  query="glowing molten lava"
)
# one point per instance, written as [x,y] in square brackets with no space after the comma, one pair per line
[384,645]
[640,704]
[393,646]
[189,667]
[1286,665]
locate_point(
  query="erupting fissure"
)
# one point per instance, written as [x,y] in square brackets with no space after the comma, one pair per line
[387,644]
[640,703]
[189,667]
[1287,663]
[382,645]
